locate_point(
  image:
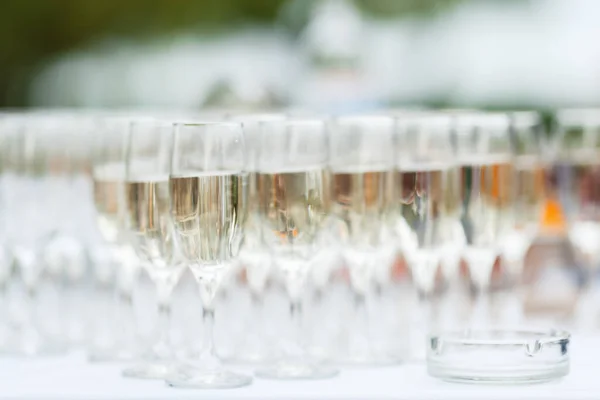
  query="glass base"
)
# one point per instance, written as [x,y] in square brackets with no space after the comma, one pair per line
[154,370]
[193,378]
[296,370]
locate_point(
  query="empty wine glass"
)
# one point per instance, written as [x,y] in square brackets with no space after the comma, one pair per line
[208,188]
[576,175]
[487,182]
[150,230]
[293,188]
[361,160]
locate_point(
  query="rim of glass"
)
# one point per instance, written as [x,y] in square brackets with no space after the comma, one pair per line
[578,117]
[257,117]
[317,122]
[514,337]
[362,118]
[482,120]
[522,119]
[199,124]
[425,120]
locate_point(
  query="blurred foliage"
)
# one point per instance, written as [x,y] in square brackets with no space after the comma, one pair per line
[32,31]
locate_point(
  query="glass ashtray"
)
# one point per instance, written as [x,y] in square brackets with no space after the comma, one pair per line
[498,356]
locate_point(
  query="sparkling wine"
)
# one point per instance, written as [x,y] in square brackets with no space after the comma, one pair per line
[429,203]
[293,208]
[577,184]
[208,211]
[361,199]
[487,190]
[149,219]
[529,194]
[360,206]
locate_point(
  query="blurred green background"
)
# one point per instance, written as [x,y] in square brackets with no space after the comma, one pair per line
[33,32]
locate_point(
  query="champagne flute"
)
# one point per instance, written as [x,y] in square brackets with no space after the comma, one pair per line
[361,161]
[109,175]
[208,187]
[529,196]
[293,188]
[254,256]
[36,152]
[10,129]
[577,175]
[487,182]
[150,230]
[525,136]
[428,205]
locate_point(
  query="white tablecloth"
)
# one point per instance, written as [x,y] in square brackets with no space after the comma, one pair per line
[71,377]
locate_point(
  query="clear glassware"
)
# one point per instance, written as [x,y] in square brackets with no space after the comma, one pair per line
[150,230]
[498,356]
[208,187]
[62,250]
[109,175]
[362,163]
[487,197]
[575,180]
[36,152]
[10,127]
[254,257]
[530,169]
[428,207]
[293,188]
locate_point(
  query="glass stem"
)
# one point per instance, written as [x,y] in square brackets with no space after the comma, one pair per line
[296,317]
[481,311]
[257,300]
[126,317]
[361,343]
[162,348]
[294,284]
[208,358]
[4,315]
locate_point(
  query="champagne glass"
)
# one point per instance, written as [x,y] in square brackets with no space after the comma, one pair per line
[208,188]
[361,161]
[577,175]
[62,251]
[428,204]
[293,188]
[109,175]
[529,196]
[254,256]
[10,129]
[487,182]
[150,230]
[35,156]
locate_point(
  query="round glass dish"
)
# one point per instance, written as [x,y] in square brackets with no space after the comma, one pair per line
[498,356]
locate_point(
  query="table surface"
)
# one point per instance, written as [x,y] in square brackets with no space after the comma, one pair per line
[72,377]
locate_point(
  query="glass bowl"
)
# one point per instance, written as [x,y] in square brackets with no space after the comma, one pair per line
[498,356]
